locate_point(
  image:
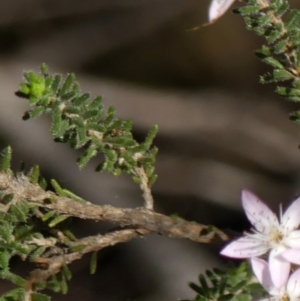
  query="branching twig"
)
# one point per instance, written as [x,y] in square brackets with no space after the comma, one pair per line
[147,195]
[138,218]
[93,243]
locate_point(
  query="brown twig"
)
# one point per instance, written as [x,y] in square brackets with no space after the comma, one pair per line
[22,188]
[92,243]
[147,195]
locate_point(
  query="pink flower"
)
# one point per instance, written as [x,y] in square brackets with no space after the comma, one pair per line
[290,289]
[218,8]
[292,255]
[268,235]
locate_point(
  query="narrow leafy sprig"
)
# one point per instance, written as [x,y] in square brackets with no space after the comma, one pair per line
[235,284]
[29,232]
[279,25]
[85,123]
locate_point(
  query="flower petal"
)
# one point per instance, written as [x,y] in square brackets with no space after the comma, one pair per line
[293,285]
[279,267]
[291,255]
[218,8]
[245,247]
[291,218]
[262,273]
[293,239]
[259,214]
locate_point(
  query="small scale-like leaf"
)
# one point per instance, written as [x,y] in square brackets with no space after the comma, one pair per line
[59,125]
[19,212]
[78,248]
[150,137]
[56,83]
[282,75]
[23,232]
[48,215]
[152,179]
[5,257]
[40,297]
[64,285]
[79,101]
[265,20]
[239,286]
[67,84]
[58,220]
[58,189]
[34,174]
[137,180]
[249,10]
[73,196]
[281,7]
[43,183]
[81,137]
[87,156]
[66,272]
[54,284]
[38,252]
[68,95]
[204,285]
[69,234]
[44,69]
[96,104]
[280,47]
[16,294]
[273,62]
[6,160]
[289,92]
[93,263]
[196,288]
[36,111]
[293,19]
[276,33]
[226,297]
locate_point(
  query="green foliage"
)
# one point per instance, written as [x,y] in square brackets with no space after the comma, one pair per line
[65,192]
[14,295]
[280,26]
[86,124]
[93,263]
[31,233]
[234,284]
[6,160]
[57,283]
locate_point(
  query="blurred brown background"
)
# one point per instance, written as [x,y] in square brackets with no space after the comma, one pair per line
[220,131]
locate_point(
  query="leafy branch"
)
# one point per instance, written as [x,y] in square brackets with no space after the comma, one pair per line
[34,226]
[279,24]
[235,284]
[85,123]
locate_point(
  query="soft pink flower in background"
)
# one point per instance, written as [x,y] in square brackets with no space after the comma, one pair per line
[290,289]
[268,235]
[292,255]
[218,8]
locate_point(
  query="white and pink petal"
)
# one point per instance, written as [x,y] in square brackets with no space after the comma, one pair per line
[218,8]
[279,267]
[292,255]
[258,213]
[245,247]
[291,218]
[261,271]
[292,239]
[293,285]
